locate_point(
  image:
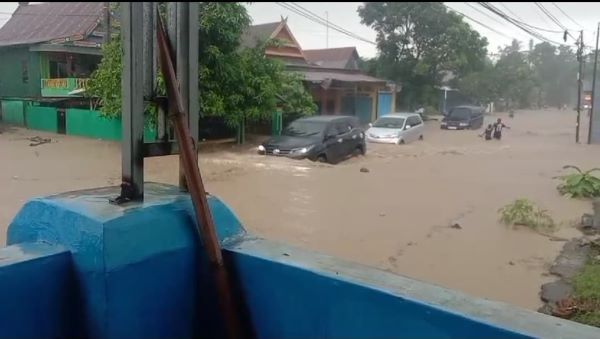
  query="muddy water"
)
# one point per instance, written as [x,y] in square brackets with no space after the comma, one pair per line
[396,217]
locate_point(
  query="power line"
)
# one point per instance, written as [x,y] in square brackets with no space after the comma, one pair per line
[297,9]
[509,11]
[549,15]
[496,20]
[327,22]
[565,14]
[517,23]
[521,21]
[478,22]
[484,13]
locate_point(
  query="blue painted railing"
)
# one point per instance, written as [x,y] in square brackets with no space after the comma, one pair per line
[77,266]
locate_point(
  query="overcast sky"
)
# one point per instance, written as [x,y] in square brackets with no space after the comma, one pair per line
[312,35]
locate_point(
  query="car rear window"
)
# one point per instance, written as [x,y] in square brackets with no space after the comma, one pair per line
[460,113]
[304,128]
[389,122]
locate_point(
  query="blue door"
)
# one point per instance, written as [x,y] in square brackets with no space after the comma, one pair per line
[364,105]
[348,105]
[384,104]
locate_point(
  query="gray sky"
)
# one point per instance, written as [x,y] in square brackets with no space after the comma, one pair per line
[312,35]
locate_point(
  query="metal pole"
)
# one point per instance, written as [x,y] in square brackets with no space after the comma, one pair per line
[148,60]
[132,187]
[204,221]
[193,88]
[593,86]
[327,30]
[161,117]
[579,84]
[107,22]
[445,98]
[187,71]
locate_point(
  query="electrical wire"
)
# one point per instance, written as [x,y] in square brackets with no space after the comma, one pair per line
[552,17]
[565,14]
[327,22]
[521,21]
[478,22]
[303,12]
[516,23]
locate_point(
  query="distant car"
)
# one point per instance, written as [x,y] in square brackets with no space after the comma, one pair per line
[326,138]
[463,117]
[396,128]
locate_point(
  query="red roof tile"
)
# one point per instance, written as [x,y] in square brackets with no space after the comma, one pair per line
[330,57]
[44,22]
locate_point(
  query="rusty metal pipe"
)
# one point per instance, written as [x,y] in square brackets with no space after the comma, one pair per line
[204,222]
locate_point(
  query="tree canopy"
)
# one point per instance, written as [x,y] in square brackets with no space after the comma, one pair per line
[543,75]
[419,42]
[236,84]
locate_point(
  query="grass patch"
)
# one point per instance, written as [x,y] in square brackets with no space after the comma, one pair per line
[523,212]
[587,291]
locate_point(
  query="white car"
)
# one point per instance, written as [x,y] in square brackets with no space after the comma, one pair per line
[397,128]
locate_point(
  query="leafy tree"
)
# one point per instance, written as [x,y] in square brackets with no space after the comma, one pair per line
[482,86]
[236,84]
[105,82]
[515,77]
[418,41]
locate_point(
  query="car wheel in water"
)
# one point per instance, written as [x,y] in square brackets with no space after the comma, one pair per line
[358,151]
[400,142]
[322,158]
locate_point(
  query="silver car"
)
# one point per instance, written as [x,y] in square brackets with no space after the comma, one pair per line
[397,128]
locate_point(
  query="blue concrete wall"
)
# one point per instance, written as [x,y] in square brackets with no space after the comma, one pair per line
[137,265]
[37,292]
[138,273]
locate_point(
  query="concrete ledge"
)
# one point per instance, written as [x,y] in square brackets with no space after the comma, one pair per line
[335,298]
[37,292]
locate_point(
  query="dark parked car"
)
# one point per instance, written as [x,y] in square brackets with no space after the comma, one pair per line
[463,117]
[329,138]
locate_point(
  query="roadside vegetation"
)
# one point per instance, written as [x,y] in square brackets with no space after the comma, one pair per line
[523,212]
[587,291]
[237,84]
[580,184]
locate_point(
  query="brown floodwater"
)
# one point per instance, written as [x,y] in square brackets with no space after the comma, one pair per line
[396,217]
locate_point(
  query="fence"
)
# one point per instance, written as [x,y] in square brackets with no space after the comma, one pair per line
[80,122]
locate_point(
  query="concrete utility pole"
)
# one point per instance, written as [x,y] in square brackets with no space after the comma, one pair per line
[593,87]
[327,30]
[579,84]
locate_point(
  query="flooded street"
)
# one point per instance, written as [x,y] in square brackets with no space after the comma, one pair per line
[396,217]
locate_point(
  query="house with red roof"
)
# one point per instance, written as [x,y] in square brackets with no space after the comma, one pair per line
[332,75]
[47,53]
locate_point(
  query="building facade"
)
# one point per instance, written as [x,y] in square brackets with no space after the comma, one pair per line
[331,75]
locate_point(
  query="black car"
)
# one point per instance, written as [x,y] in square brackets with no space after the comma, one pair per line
[463,117]
[329,138]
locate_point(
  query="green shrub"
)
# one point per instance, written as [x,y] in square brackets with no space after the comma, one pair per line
[522,212]
[580,184]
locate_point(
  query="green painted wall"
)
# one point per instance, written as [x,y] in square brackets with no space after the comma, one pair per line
[88,123]
[42,118]
[11,72]
[12,112]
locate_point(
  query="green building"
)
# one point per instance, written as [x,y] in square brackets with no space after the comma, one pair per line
[47,53]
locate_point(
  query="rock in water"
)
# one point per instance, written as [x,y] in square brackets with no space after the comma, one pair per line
[364,170]
[456,226]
